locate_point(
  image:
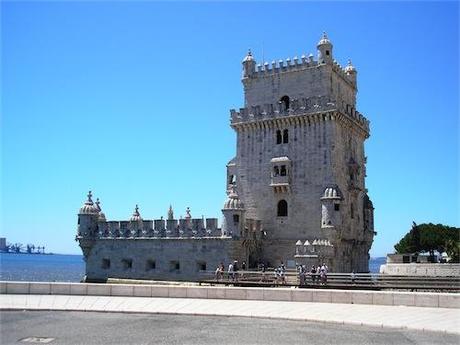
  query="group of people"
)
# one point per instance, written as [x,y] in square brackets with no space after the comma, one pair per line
[233,268]
[318,274]
[280,274]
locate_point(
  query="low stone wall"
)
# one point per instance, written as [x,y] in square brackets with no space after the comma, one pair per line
[394,298]
[416,269]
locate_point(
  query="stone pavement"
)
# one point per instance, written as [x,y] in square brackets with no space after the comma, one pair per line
[415,318]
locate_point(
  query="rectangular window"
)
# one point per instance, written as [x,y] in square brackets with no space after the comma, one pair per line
[336,207]
[236,218]
[150,265]
[174,266]
[201,266]
[127,263]
[105,264]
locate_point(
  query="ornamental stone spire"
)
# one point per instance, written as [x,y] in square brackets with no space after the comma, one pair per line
[170,213]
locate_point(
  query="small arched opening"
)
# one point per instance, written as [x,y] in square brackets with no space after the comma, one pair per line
[285,101]
[285,136]
[279,137]
[282,208]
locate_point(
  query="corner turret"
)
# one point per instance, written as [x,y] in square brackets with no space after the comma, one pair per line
[234,214]
[325,50]
[249,65]
[87,218]
[87,225]
[351,72]
[331,219]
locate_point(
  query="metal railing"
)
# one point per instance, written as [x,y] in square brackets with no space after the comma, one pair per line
[362,281]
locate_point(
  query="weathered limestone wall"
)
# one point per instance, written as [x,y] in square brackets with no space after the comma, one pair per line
[190,253]
[309,152]
[431,269]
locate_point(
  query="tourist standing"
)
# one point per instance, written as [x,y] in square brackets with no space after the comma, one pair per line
[235,270]
[230,271]
[313,274]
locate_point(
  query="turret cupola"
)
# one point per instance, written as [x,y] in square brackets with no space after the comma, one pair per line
[249,65]
[234,214]
[330,207]
[324,50]
[89,207]
[233,202]
[136,217]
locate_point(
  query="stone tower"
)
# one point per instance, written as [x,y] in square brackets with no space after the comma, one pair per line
[300,163]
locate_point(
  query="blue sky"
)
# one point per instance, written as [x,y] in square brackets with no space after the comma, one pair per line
[131,101]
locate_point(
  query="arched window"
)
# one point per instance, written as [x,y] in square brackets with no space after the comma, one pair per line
[285,136]
[279,138]
[285,101]
[282,208]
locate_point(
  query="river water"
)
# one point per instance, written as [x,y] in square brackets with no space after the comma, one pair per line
[68,268]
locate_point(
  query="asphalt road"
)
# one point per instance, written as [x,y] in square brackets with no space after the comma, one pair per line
[113,328]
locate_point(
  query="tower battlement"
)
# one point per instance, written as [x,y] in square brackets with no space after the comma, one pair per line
[299,78]
[295,65]
[313,108]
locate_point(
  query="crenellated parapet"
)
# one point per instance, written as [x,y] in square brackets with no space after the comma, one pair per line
[92,225]
[158,228]
[310,109]
[296,65]
[282,66]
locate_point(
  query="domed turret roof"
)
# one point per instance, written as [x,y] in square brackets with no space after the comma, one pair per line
[324,40]
[136,217]
[248,57]
[89,207]
[350,68]
[233,202]
[332,192]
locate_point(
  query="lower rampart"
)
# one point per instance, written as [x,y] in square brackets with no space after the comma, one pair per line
[416,269]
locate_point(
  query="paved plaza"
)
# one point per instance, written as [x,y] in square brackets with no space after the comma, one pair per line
[390,317]
[115,328]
